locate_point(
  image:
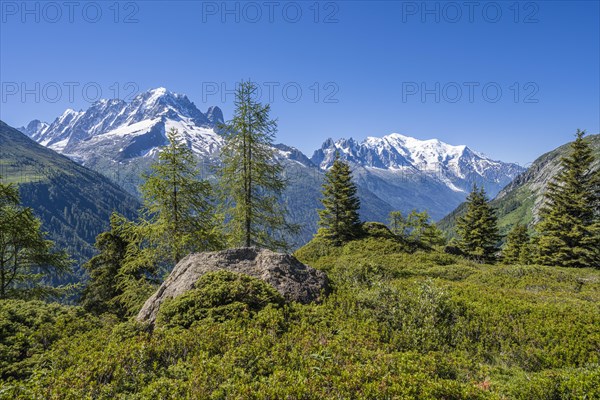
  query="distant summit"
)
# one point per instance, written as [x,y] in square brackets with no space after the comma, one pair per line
[521,200]
[458,167]
[156,109]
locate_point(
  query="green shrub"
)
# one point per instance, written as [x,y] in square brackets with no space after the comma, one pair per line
[220,296]
[29,328]
[422,325]
[377,230]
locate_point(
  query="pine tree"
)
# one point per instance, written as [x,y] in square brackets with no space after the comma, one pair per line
[178,205]
[517,249]
[27,261]
[251,178]
[339,219]
[569,227]
[478,228]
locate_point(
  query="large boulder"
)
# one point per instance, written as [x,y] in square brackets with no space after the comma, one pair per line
[294,280]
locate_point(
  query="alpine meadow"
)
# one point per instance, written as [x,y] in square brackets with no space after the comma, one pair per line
[153,250]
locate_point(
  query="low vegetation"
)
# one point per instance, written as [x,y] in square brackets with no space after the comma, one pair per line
[398,324]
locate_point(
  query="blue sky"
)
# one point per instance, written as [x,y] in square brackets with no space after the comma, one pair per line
[426,70]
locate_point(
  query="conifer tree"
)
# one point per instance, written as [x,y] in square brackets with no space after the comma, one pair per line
[27,261]
[339,219]
[178,218]
[399,224]
[569,227]
[125,271]
[517,249]
[431,235]
[477,229]
[104,270]
[251,178]
[178,206]
[416,227]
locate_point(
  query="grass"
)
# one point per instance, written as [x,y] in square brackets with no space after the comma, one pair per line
[517,211]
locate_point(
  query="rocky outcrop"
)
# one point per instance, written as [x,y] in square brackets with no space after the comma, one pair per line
[294,280]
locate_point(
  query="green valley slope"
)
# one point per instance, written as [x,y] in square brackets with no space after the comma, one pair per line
[73,202]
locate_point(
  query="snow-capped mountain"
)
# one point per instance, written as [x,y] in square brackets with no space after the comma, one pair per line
[120,139]
[34,128]
[393,172]
[458,167]
[139,125]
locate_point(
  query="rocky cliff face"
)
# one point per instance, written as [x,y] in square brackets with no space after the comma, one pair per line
[294,280]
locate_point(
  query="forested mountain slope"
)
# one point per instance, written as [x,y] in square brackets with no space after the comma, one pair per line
[73,202]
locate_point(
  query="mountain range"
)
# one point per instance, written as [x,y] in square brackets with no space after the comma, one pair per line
[393,172]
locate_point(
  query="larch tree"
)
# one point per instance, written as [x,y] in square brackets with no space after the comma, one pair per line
[251,178]
[178,217]
[416,227]
[399,224]
[27,260]
[179,210]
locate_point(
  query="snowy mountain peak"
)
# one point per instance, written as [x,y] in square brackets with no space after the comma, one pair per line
[155,106]
[215,115]
[113,131]
[159,95]
[34,128]
[69,114]
[400,140]
[159,90]
[392,137]
[455,166]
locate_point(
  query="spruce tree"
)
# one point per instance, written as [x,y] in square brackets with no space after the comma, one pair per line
[27,259]
[339,219]
[250,176]
[126,270]
[517,249]
[569,227]
[477,229]
[178,206]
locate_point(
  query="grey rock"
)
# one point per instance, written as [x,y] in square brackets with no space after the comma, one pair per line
[294,280]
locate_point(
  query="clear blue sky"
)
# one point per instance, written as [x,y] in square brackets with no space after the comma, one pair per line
[374,58]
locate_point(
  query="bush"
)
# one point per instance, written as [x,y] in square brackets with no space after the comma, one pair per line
[29,328]
[220,296]
[377,230]
[423,325]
